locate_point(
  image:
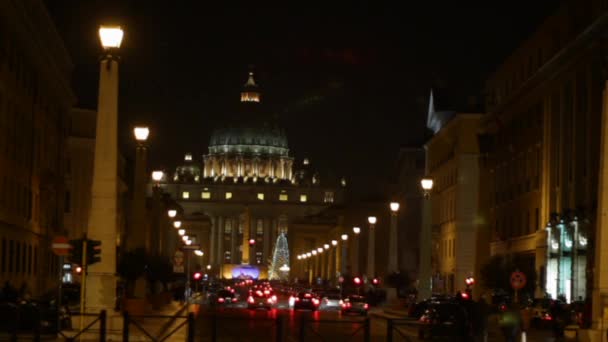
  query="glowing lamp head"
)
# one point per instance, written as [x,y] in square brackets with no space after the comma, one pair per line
[326,246]
[188,242]
[314,252]
[320,250]
[157,176]
[372,219]
[356,230]
[177,224]
[181,232]
[299,257]
[172,213]
[344,237]
[208,267]
[427,184]
[78,270]
[357,281]
[308,255]
[185,238]
[197,275]
[394,207]
[110,36]
[141,133]
[251,242]
[334,242]
[198,252]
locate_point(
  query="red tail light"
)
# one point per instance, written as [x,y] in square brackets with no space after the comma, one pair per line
[315,301]
[297,299]
[269,300]
[234,300]
[274,298]
[220,300]
[266,292]
[366,306]
[308,295]
[250,300]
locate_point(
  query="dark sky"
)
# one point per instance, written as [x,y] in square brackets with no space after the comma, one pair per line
[348,79]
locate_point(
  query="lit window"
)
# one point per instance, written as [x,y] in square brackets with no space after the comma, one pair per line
[188,157]
[205,195]
[303,198]
[283,197]
[228,195]
[329,197]
[259,229]
[227,256]
[261,196]
[185,195]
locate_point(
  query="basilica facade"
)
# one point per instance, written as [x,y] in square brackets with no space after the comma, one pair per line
[235,200]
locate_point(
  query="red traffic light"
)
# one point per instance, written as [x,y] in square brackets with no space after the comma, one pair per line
[469,281]
[197,275]
[466,296]
[375,281]
[357,281]
[251,242]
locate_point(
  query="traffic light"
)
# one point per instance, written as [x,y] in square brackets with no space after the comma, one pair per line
[251,242]
[78,270]
[75,254]
[93,251]
[376,281]
[357,281]
[197,275]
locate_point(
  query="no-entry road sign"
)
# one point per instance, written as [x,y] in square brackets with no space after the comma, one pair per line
[518,280]
[61,245]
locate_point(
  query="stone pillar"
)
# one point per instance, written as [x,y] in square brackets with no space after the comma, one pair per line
[137,236]
[246,231]
[103,218]
[212,241]
[220,242]
[267,251]
[355,254]
[333,252]
[393,263]
[233,242]
[600,271]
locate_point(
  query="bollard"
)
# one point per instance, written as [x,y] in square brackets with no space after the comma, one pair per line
[366,330]
[191,327]
[125,326]
[213,328]
[303,328]
[280,328]
[389,330]
[102,326]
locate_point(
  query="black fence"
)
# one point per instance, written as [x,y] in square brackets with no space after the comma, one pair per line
[395,331]
[167,330]
[334,330]
[89,328]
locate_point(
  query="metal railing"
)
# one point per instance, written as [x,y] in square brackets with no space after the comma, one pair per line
[101,318]
[306,327]
[129,320]
[393,326]
[238,324]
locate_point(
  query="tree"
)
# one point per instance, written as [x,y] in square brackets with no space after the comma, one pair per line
[280,258]
[132,265]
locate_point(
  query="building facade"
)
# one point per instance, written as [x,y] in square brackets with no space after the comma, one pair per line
[452,161]
[35,100]
[542,141]
[247,187]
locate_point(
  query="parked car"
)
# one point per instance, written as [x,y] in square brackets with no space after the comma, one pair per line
[356,304]
[28,315]
[307,301]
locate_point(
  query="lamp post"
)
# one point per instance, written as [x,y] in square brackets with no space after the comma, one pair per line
[424,269]
[355,250]
[137,236]
[371,250]
[343,258]
[103,217]
[393,261]
[333,270]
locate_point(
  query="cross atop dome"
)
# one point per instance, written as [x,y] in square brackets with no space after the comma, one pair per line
[250,91]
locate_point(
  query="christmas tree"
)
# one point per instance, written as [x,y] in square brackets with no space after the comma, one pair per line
[279,266]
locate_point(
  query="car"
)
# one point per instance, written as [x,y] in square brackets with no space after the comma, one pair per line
[331,300]
[225,297]
[23,315]
[306,301]
[356,304]
[444,319]
[261,299]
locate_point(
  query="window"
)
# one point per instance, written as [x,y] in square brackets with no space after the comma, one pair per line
[329,197]
[228,227]
[283,197]
[258,258]
[228,195]
[185,195]
[259,229]
[227,256]
[206,195]
[303,198]
[261,196]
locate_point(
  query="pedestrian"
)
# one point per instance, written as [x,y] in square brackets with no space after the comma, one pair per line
[511,323]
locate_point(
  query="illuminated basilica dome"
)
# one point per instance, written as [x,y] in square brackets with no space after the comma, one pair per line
[251,148]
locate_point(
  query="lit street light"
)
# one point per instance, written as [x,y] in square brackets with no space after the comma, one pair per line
[111,37]
[334,242]
[157,176]
[326,246]
[172,213]
[177,224]
[371,247]
[424,279]
[393,262]
[181,232]
[198,252]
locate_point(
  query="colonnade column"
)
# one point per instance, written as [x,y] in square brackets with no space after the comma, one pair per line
[332,263]
[220,243]
[355,255]
[233,237]
[212,242]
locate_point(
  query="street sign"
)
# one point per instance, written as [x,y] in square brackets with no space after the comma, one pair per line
[191,247]
[61,245]
[518,280]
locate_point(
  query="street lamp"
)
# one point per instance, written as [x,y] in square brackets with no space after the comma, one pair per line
[141,134]
[188,242]
[181,232]
[208,267]
[157,176]
[356,230]
[138,230]
[320,250]
[172,213]
[309,254]
[198,252]
[326,246]
[111,37]
[334,243]
[371,247]
[177,224]
[393,262]
[314,252]
[424,267]
[344,237]
[185,238]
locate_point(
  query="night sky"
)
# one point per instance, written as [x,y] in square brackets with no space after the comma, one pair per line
[349,80]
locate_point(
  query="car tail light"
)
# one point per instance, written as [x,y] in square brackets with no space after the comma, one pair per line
[424,319]
[297,299]
[250,300]
[315,301]
[234,300]
[547,317]
[269,300]
[259,293]
[266,292]
[274,298]
[308,295]
[341,302]
[366,306]
[220,300]
[232,290]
